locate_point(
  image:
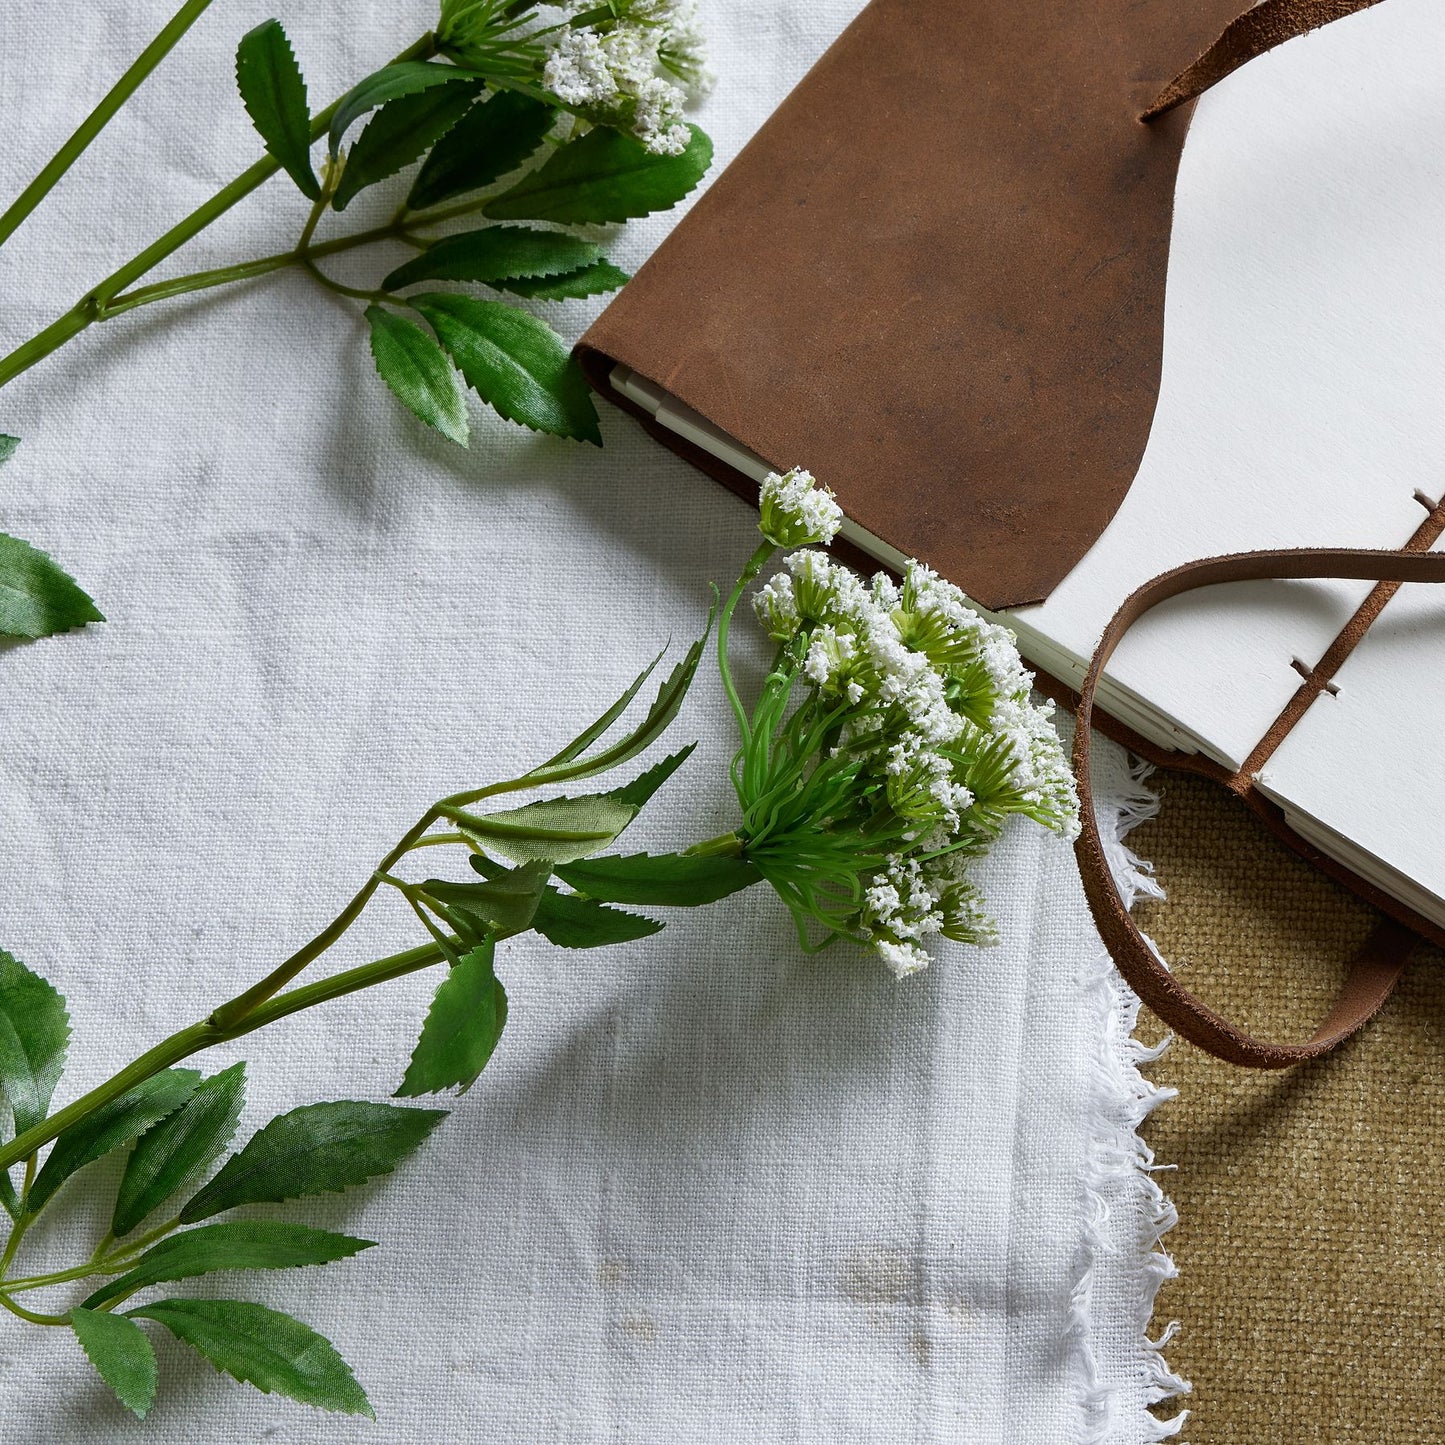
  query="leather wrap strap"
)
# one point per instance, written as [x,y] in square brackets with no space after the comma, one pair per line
[1376,968]
[1269,24]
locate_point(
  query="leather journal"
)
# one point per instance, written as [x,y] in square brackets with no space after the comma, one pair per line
[936,278]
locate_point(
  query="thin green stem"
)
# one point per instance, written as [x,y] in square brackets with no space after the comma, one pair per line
[100,117]
[356,292]
[22,1222]
[755,564]
[35,1319]
[725,845]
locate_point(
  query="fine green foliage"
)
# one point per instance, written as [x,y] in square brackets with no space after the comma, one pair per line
[274,94]
[391,82]
[418,372]
[594,280]
[496,253]
[505,904]
[121,1354]
[400,132]
[171,1152]
[38,598]
[495,136]
[34,1031]
[603,176]
[7,446]
[264,1348]
[246,1244]
[571,921]
[675,880]
[110,1126]
[639,792]
[556,830]
[316,1149]
[517,364]
[466,1018]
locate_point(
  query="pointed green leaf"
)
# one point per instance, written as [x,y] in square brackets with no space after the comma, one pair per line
[398,133]
[593,731]
[38,598]
[112,1125]
[7,446]
[121,1354]
[418,372]
[675,880]
[517,364]
[638,793]
[274,94]
[505,905]
[34,1030]
[316,1149]
[245,1244]
[494,254]
[180,1146]
[573,922]
[556,830]
[462,1027]
[494,137]
[594,280]
[603,176]
[391,82]
[263,1347]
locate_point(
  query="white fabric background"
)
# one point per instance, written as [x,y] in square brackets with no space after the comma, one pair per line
[710,1188]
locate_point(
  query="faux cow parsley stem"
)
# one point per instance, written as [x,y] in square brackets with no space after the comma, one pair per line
[893,738]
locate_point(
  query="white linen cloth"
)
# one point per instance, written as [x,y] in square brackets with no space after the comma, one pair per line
[710,1189]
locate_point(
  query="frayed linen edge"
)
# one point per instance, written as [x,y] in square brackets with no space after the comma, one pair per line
[1118,1162]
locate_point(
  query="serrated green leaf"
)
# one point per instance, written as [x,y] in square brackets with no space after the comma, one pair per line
[594,280]
[493,254]
[316,1149]
[112,1125]
[504,905]
[243,1244]
[34,1031]
[274,94]
[517,364]
[595,730]
[494,137]
[462,1027]
[391,82]
[265,1348]
[7,446]
[398,133]
[121,1354]
[418,372]
[556,830]
[171,1152]
[603,176]
[638,793]
[37,597]
[570,921]
[673,880]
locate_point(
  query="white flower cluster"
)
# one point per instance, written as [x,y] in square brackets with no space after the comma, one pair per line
[934,706]
[615,73]
[796,511]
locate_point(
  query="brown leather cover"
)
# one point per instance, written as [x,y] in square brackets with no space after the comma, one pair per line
[935,277]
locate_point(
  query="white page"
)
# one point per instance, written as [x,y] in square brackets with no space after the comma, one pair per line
[1304,368]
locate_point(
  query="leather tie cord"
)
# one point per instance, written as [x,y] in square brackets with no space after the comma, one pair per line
[1376,968]
[1269,24]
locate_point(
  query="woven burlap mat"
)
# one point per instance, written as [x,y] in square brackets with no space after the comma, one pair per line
[1311,1241]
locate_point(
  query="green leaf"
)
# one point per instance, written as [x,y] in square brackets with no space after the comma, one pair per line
[594,280]
[121,1354]
[418,372]
[676,880]
[38,598]
[494,137]
[316,1149]
[391,82]
[517,364]
[34,1030]
[573,922]
[462,1027]
[245,1244]
[494,254]
[274,94]
[557,830]
[176,1149]
[263,1347]
[603,176]
[398,133]
[638,793]
[505,905]
[7,446]
[112,1125]
[595,730]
